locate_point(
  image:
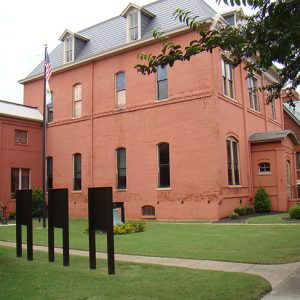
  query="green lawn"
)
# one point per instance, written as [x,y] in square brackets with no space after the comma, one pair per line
[272,219]
[265,244]
[39,279]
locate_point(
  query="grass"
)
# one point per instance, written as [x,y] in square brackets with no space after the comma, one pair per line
[39,279]
[263,244]
[282,218]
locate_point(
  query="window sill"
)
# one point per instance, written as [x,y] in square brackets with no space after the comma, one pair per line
[235,186]
[148,217]
[120,190]
[164,189]
[119,108]
[76,192]
[264,173]
[161,100]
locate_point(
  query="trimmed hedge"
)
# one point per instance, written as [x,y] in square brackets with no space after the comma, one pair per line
[295,212]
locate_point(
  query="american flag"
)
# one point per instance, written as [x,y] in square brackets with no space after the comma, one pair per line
[48,69]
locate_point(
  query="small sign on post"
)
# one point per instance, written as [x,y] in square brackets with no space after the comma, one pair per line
[24,217]
[58,217]
[101,218]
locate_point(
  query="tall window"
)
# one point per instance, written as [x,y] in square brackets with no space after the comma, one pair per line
[163,165]
[121,168]
[49,184]
[77,100]
[273,110]
[252,89]
[120,90]
[162,82]
[77,172]
[298,161]
[227,75]
[50,109]
[21,137]
[133,26]
[69,49]
[233,162]
[20,180]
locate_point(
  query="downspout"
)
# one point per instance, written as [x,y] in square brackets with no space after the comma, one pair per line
[92,124]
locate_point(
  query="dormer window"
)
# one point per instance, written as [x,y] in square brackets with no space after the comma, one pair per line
[73,44]
[69,49]
[133,26]
[137,20]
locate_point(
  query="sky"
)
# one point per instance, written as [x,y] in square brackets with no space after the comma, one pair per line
[26,26]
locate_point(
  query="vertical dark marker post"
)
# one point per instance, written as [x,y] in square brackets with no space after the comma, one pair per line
[58,216]
[101,218]
[24,217]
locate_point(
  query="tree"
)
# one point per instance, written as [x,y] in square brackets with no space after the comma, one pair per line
[271,35]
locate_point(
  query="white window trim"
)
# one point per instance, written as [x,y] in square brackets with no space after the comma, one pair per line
[75,101]
[227,80]
[118,107]
[73,48]
[256,93]
[232,166]
[156,87]
[139,25]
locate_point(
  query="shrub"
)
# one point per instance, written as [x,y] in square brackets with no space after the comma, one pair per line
[234,216]
[132,226]
[262,202]
[12,215]
[37,203]
[249,210]
[295,212]
[241,211]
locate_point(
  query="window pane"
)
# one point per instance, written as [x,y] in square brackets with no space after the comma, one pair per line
[162,89]
[120,81]
[121,99]
[229,163]
[164,165]
[14,182]
[25,179]
[77,92]
[148,211]
[236,163]
[298,160]
[162,73]
[49,173]
[121,168]
[77,109]
[230,83]
[21,137]
[77,172]
[133,19]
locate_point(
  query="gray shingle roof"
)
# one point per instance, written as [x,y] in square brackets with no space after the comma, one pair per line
[11,109]
[271,136]
[111,34]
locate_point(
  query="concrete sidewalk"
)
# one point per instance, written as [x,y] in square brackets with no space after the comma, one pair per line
[284,278]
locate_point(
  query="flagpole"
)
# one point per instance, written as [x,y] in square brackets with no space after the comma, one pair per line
[44,145]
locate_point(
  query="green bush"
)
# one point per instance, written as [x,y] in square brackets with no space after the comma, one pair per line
[249,210]
[234,216]
[37,203]
[262,202]
[295,212]
[241,211]
[12,215]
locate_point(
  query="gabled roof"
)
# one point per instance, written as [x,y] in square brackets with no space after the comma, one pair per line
[111,35]
[293,112]
[273,136]
[130,6]
[15,110]
[69,32]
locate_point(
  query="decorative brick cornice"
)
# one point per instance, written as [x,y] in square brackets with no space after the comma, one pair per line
[69,121]
[230,100]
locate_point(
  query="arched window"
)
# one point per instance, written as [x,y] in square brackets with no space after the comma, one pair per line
[163,165]
[121,168]
[120,90]
[148,210]
[49,179]
[77,172]
[233,161]
[264,168]
[77,100]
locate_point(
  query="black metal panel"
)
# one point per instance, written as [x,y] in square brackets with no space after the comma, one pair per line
[24,217]
[100,210]
[58,217]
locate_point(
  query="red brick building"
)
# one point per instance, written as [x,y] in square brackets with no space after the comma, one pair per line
[20,150]
[191,142]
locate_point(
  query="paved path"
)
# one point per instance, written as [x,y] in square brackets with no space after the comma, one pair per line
[284,278]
